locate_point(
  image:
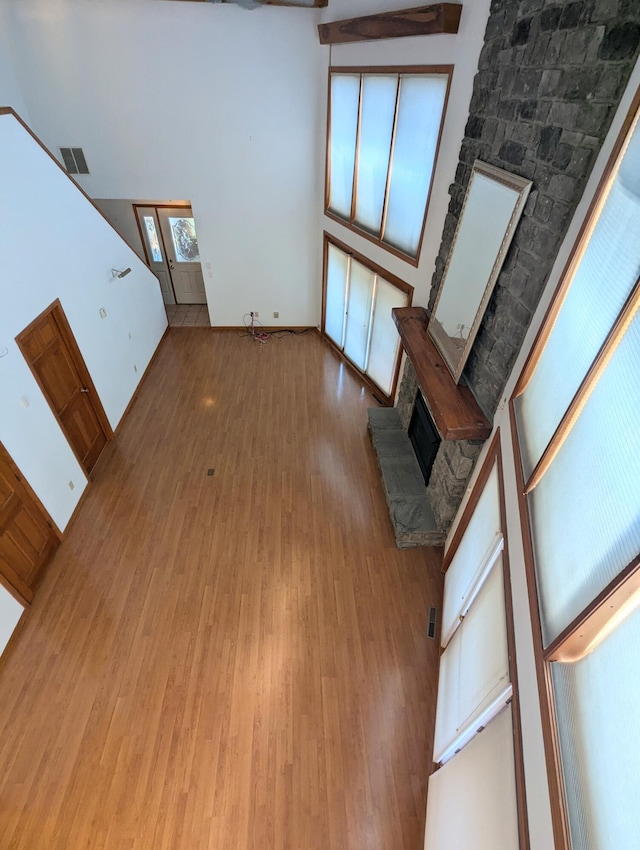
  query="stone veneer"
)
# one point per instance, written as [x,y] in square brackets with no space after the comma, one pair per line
[549,80]
[454,462]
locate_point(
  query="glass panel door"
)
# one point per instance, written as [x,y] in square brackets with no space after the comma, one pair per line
[384,349]
[356,341]
[336,294]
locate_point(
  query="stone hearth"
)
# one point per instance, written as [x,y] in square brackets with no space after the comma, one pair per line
[412,517]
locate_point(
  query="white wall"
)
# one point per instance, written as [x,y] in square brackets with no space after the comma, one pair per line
[10,92]
[535,768]
[55,244]
[462,51]
[10,613]
[121,215]
[200,101]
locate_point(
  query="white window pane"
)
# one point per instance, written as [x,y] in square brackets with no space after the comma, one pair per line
[473,682]
[471,801]
[590,309]
[602,282]
[358,314]
[585,512]
[385,342]
[152,235]
[481,538]
[185,241]
[598,708]
[378,109]
[337,263]
[345,93]
[419,116]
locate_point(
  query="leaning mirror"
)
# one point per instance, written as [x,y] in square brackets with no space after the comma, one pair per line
[492,207]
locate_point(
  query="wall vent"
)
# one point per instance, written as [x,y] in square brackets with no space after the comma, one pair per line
[74,160]
[431,628]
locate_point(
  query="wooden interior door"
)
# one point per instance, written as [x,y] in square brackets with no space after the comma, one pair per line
[51,351]
[27,536]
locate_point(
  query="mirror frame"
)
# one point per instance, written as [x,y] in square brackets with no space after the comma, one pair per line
[521,188]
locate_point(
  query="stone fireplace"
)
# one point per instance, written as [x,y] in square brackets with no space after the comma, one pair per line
[421,514]
[550,77]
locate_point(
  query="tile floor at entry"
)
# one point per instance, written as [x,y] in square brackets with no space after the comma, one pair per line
[188,315]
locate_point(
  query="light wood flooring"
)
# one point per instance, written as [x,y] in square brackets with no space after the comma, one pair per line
[226,662]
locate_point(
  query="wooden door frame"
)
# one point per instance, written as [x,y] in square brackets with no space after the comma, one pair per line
[78,361]
[18,593]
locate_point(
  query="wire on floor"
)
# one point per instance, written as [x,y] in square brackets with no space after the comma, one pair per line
[255,329]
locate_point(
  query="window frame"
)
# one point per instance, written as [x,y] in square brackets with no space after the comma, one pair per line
[445,70]
[403,286]
[571,643]
[493,459]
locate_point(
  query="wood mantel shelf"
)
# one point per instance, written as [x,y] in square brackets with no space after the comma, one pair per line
[423,20]
[455,411]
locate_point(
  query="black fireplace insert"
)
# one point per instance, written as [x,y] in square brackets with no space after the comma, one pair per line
[424,437]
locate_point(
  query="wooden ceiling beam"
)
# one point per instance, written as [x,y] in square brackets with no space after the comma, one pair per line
[423,20]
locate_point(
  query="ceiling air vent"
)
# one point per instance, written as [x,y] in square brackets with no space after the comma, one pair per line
[74,160]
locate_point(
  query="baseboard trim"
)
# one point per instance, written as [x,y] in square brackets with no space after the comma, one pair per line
[133,398]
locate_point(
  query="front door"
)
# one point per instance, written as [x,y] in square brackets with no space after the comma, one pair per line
[181,244]
[154,248]
[51,351]
[27,538]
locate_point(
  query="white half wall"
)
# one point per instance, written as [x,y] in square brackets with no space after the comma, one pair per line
[462,51]
[194,100]
[55,244]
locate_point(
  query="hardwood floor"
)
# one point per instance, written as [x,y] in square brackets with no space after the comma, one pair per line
[236,661]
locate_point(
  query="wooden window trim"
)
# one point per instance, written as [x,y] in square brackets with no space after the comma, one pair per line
[586,229]
[403,286]
[571,644]
[492,461]
[400,70]
[587,386]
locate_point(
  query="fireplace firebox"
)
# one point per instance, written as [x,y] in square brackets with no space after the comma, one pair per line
[424,437]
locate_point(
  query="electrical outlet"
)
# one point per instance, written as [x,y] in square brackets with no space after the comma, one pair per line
[256,314]
[71,485]
[276,315]
[103,313]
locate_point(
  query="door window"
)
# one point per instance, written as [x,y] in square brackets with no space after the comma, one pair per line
[152,235]
[185,240]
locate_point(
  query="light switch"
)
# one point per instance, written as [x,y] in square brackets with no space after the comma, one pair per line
[103,313]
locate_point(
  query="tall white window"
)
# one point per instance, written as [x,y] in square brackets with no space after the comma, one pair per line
[358,299]
[473,798]
[384,132]
[577,409]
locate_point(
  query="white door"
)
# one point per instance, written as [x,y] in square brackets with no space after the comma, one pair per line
[178,231]
[150,230]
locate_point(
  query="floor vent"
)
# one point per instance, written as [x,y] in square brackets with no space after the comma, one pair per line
[431,629]
[74,160]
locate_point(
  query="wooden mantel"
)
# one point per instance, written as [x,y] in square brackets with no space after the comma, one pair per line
[454,410]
